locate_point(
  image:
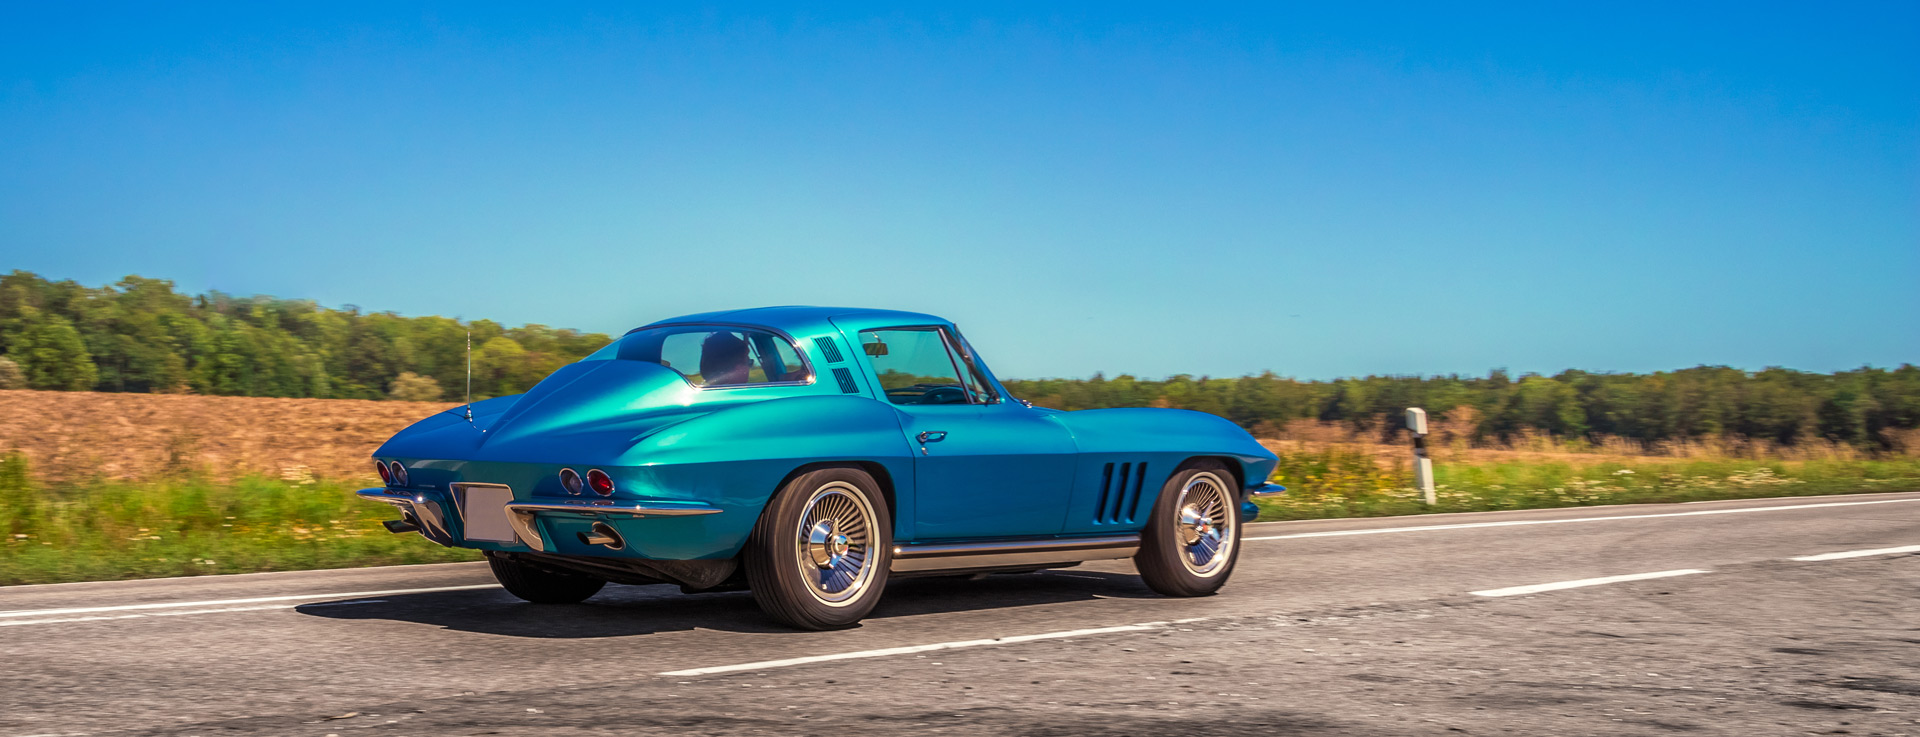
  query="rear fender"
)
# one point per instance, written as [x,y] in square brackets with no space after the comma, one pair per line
[737,458]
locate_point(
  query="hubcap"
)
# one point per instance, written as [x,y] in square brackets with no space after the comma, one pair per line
[835,553]
[826,547]
[1205,525]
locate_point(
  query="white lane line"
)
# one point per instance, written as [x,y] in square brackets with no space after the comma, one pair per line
[884,652]
[1517,523]
[64,620]
[1861,553]
[222,602]
[1557,585]
[190,612]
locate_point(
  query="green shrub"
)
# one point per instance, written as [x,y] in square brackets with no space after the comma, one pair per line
[1337,483]
[189,526]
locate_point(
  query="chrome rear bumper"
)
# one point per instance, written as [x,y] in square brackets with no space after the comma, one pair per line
[521,514]
[417,509]
[1267,490]
[427,512]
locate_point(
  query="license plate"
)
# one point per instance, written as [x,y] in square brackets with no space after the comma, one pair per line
[483,511]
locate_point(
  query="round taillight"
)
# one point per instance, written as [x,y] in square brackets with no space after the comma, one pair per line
[570,479]
[386,476]
[602,483]
[399,473]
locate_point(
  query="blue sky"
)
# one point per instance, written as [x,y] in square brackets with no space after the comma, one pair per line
[1319,191]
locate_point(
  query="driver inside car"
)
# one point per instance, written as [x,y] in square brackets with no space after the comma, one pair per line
[724,360]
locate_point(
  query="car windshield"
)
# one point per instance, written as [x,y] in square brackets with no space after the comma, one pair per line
[711,355]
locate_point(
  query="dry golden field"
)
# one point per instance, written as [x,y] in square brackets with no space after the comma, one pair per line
[82,435]
[77,435]
[1451,443]
[139,485]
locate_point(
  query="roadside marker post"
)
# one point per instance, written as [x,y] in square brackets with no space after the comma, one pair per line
[1422,465]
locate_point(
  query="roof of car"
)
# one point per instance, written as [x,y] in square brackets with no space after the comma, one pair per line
[800,318]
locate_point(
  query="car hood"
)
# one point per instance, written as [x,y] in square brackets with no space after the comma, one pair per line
[586,412]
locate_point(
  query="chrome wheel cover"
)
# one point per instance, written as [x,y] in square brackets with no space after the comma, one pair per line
[834,547]
[1204,524]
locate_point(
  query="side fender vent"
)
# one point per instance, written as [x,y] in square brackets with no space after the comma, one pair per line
[829,350]
[1139,478]
[845,378]
[1120,490]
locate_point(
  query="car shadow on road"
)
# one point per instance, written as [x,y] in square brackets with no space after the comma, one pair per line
[628,611]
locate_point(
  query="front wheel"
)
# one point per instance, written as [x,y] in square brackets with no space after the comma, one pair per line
[541,586]
[818,557]
[1193,538]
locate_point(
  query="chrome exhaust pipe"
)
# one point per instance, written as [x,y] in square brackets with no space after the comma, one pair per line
[400,525]
[603,534]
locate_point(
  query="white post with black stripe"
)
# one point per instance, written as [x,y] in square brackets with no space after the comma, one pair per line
[1422,465]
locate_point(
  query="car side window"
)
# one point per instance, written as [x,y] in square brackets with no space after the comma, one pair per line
[681,352]
[914,365]
[774,359]
[711,356]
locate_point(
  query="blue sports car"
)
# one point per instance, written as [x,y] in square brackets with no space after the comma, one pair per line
[807,454]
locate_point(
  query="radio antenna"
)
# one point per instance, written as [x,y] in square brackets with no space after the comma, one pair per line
[469,376]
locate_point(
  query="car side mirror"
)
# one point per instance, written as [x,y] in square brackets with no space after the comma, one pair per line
[874,349]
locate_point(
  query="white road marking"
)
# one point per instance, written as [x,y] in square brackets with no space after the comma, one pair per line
[1556,586]
[1861,553]
[190,612]
[220,602]
[1517,523]
[884,652]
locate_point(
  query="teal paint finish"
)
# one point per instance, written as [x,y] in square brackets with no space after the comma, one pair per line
[1160,438]
[737,458]
[1004,470]
[1001,470]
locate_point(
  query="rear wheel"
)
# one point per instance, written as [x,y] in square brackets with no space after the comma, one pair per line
[1193,538]
[541,586]
[819,555]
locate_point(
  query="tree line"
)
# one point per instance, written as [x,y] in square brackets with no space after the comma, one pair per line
[1866,407]
[139,335]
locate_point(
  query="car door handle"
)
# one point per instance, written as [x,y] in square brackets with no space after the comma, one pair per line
[932,436]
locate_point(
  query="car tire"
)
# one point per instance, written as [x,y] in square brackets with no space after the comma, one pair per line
[818,557]
[542,586]
[1185,551]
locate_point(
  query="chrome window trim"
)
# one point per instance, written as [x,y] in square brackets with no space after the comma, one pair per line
[959,370]
[807,363]
[970,364]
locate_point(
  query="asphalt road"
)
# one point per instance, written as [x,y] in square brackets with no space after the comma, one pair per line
[1365,627]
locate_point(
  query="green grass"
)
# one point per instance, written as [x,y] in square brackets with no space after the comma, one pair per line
[1335,483]
[190,526]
